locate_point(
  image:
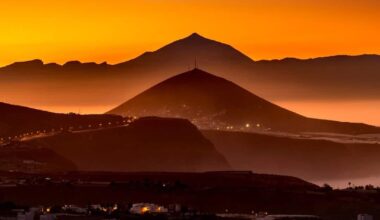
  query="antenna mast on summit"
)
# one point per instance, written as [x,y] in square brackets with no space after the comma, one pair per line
[195,63]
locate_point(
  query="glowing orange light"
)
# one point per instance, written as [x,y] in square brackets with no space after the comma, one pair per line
[145,209]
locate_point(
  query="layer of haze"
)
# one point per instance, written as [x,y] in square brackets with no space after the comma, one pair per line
[360,111]
[117,30]
[366,111]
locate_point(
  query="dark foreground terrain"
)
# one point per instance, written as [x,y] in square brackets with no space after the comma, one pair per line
[212,192]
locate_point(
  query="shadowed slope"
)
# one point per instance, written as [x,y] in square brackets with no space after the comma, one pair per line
[21,157]
[148,144]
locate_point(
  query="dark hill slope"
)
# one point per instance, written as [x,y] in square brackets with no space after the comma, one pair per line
[21,157]
[148,144]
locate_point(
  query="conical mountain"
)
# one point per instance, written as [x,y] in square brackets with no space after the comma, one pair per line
[212,102]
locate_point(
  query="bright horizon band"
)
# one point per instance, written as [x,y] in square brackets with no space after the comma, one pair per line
[116,30]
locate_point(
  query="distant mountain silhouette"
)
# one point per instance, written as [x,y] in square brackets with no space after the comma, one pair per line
[147,144]
[33,83]
[211,102]
[16,120]
[304,158]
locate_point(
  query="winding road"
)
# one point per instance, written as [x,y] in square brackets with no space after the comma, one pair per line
[42,133]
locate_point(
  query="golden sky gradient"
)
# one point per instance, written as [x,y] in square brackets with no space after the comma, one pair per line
[118,30]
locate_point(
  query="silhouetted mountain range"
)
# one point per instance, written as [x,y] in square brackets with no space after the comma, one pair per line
[33,83]
[215,103]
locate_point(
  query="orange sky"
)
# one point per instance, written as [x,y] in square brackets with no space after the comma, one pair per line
[117,30]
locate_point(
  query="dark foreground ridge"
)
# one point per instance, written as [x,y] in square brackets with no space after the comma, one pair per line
[147,144]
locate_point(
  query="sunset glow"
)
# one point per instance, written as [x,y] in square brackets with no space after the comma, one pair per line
[190,109]
[118,30]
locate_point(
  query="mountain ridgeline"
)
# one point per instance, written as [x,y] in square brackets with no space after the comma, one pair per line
[212,102]
[328,78]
